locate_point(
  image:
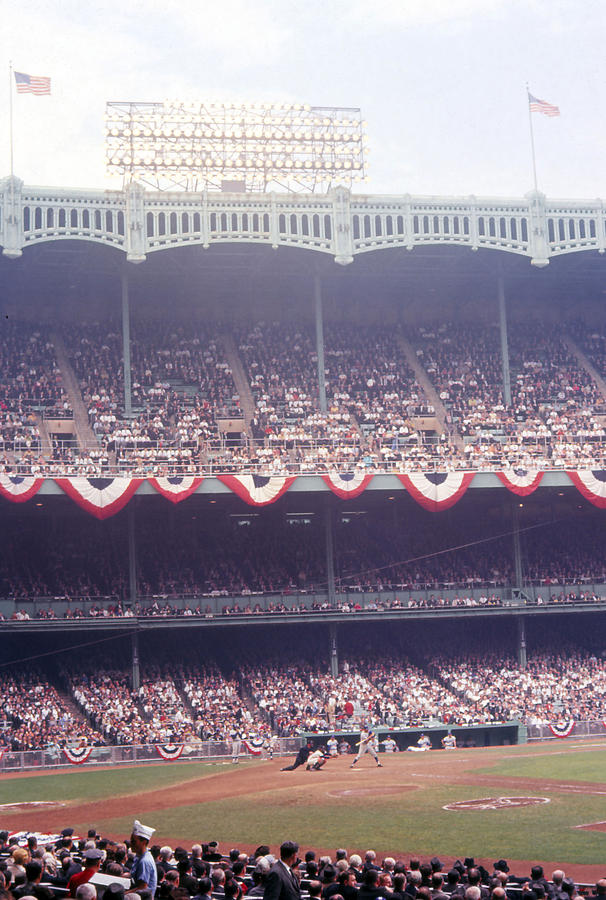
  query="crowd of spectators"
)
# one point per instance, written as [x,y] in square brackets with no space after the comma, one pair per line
[181,381]
[248,564]
[218,706]
[164,708]
[286,697]
[30,385]
[33,714]
[556,415]
[174,703]
[553,686]
[106,699]
[49,866]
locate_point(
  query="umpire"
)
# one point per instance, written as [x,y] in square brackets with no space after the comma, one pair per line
[300,760]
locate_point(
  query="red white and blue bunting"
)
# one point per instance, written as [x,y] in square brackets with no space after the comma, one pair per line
[78,756]
[591,484]
[562,728]
[170,751]
[176,488]
[257,490]
[253,745]
[22,837]
[18,488]
[103,497]
[348,485]
[520,481]
[437,490]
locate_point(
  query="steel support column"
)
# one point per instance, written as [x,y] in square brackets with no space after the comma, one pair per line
[517,550]
[132,554]
[504,340]
[330,554]
[126,345]
[334,650]
[522,642]
[320,341]
[136,674]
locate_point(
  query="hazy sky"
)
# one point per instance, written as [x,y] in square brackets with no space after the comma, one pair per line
[441,83]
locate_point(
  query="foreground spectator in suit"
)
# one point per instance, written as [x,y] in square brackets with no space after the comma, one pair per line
[205,888]
[282,883]
[399,887]
[370,888]
[199,867]
[346,886]
[600,890]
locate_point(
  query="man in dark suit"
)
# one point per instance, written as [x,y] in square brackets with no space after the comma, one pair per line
[282,883]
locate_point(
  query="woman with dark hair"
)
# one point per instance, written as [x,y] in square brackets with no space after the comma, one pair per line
[233,890]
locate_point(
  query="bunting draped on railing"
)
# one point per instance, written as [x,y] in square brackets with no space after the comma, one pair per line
[103,497]
[519,481]
[562,728]
[348,485]
[42,837]
[592,485]
[19,488]
[253,745]
[176,487]
[78,756]
[170,751]
[435,491]
[257,490]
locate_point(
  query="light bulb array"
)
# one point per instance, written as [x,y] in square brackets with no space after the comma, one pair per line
[255,143]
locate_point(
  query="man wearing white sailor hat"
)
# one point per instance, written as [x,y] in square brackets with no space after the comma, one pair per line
[143,870]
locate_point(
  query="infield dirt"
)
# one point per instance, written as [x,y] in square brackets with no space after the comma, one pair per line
[400,774]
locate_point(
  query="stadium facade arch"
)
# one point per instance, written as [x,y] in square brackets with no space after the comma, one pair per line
[340,224]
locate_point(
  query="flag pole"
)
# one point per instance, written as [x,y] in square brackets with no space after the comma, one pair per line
[10,106]
[534,160]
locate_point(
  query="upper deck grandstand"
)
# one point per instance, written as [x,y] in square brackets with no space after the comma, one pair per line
[242,360]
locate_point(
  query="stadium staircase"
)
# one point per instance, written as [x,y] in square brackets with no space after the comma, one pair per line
[358,429]
[45,441]
[247,403]
[431,395]
[85,435]
[60,683]
[585,364]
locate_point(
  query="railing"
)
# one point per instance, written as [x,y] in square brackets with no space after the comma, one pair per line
[55,757]
[314,456]
[247,607]
[579,729]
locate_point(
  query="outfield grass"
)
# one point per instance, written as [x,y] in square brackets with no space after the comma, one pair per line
[95,784]
[586,766]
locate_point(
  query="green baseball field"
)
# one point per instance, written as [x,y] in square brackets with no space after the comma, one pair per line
[544,803]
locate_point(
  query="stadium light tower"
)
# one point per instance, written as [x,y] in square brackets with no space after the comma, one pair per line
[235,146]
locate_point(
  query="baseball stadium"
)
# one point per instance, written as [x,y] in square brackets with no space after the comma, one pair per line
[296,486]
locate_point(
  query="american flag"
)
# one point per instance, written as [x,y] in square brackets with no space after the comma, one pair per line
[542,106]
[32,84]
